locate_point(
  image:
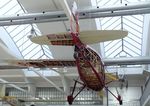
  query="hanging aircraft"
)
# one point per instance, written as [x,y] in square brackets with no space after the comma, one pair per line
[89,64]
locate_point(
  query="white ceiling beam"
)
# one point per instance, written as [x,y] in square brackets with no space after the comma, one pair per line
[4,81]
[16,83]
[146,37]
[145,98]
[83,14]
[66,8]
[49,81]
[65,81]
[48,18]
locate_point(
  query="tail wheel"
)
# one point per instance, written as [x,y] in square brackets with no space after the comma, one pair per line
[70,99]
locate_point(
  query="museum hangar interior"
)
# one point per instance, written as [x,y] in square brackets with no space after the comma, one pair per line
[45,86]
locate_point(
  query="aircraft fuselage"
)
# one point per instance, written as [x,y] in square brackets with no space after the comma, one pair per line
[89,64]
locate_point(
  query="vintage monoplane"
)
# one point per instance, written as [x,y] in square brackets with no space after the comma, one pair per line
[89,64]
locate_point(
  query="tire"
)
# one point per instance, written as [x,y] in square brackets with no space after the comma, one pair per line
[120,102]
[70,99]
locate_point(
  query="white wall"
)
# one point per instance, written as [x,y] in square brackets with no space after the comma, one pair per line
[130,96]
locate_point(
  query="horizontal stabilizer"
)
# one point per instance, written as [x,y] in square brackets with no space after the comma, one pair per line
[110,77]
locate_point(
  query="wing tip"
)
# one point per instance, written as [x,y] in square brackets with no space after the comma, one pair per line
[125,33]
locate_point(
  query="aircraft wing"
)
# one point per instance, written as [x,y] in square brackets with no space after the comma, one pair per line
[3,67]
[63,39]
[53,63]
[87,37]
[97,36]
[40,63]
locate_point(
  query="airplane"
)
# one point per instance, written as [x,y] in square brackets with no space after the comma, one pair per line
[91,68]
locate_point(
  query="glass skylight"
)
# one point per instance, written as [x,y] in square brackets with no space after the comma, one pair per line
[20,33]
[132,44]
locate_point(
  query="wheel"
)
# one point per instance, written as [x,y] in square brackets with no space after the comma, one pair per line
[120,102]
[70,99]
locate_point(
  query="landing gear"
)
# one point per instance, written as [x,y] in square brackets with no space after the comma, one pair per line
[120,102]
[71,98]
[118,98]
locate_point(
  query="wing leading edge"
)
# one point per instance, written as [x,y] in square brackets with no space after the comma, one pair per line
[53,63]
[42,63]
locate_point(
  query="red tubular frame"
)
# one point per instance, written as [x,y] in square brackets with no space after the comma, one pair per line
[102,81]
[71,98]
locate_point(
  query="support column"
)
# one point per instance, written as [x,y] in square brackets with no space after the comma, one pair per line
[105,98]
[146,52]
[49,81]
[66,85]
[32,90]
[2,90]
[145,98]
[146,38]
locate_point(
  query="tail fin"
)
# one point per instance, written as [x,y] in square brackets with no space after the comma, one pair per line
[74,17]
